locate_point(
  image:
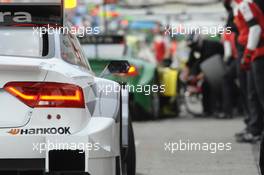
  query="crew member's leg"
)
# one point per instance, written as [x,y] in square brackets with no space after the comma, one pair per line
[255,125]
[261,159]
[242,78]
[258,71]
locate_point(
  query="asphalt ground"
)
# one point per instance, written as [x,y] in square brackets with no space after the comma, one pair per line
[157,156]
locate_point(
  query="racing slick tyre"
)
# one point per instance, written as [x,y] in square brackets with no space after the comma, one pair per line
[129,154]
[131,161]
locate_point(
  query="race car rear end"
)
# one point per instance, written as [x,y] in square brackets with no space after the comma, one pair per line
[56,117]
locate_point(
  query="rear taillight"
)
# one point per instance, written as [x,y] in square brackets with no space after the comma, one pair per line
[46,94]
[132,71]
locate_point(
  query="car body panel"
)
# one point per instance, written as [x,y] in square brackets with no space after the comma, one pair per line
[98,123]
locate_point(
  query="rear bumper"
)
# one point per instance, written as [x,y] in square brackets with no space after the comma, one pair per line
[40,173]
[18,153]
[106,166]
[21,164]
[30,167]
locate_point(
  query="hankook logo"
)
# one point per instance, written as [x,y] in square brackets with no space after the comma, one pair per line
[18,17]
[14,131]
[41,131]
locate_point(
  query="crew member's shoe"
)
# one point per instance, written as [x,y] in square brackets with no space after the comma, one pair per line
[241,133]
[224,116]
[248,138]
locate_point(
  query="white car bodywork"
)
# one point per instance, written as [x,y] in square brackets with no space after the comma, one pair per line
[97,124]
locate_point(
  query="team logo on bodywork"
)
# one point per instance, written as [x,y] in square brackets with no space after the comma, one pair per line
[41,131]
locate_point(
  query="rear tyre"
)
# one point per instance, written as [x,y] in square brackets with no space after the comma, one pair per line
[131,161]
[129,154]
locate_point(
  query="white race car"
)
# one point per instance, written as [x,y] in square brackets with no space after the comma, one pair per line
[56,117]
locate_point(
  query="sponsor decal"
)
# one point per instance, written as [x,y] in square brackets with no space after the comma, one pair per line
[18,17]
[41,131]
[14,131]
[26,13]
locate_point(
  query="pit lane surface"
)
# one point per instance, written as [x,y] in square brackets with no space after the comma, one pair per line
[152,159]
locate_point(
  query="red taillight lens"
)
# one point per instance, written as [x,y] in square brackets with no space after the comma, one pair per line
[50,95]
[132,71]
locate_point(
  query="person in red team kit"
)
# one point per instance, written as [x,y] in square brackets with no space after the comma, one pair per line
[249,18]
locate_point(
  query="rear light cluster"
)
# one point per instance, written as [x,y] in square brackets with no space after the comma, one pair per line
[132,71]
[47,95]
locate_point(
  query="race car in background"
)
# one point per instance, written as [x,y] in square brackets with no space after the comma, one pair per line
[102,49]
[56,115]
